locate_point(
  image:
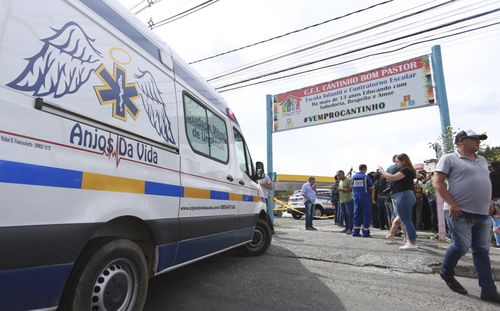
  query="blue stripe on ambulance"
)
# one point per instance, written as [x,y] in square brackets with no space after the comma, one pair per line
[155,188]
[31,174]
[38,175]
[42,285]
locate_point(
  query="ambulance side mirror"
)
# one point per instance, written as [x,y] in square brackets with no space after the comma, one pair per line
[259,170]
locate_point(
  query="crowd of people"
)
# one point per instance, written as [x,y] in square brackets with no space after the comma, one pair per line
[398,197]
[371,194]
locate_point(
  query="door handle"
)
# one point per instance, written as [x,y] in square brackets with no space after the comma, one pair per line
[241,182]
[230,178]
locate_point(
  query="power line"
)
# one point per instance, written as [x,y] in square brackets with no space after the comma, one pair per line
[292,32]
[185,13]
[361,57]
[334,39]
[370,46]
[150,3]
[137,5]
[367,38]
[355,59]
[306,48]
[367,47]
[382,60]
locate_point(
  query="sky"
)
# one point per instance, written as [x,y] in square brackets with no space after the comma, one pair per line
[470,61]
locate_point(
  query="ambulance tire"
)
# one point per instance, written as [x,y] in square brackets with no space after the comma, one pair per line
[261,240]
[112,275]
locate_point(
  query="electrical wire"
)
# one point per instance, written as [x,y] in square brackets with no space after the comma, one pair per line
[336,39]
[307,52]
[359,58]
[292,32]
[181,14]
[384,59]
[370,46]
[373,37]
[225,87]
[136,5]
[150,3]
[340,63]
[305,47]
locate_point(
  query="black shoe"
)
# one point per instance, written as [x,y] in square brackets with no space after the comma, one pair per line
[348,232]
[454,285]
[490,296]
[311,228]
[344,231]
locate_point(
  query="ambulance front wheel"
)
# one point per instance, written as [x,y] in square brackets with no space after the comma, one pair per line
[112,275]
[261,240]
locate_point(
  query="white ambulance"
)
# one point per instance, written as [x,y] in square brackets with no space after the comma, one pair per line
[117,162]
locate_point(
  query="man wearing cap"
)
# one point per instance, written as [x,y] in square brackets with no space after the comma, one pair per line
[467,200]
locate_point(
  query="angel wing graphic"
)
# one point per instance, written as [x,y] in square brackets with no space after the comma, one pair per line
[154,105]
[63,64]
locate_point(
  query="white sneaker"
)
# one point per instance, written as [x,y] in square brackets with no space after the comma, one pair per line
[409,247]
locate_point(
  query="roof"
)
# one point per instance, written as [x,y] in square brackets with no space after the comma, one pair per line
[303,178]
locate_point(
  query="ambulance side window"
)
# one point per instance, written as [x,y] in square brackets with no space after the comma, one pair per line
[242,154]
[206,131]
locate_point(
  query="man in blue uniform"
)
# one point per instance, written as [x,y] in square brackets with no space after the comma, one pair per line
[362,186]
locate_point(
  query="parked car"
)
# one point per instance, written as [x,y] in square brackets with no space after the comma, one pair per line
[322,207]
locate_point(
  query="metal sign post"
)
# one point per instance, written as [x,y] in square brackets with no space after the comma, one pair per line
[269,109]
[442,100]
[400,86]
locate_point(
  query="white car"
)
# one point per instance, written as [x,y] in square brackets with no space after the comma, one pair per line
[323,205]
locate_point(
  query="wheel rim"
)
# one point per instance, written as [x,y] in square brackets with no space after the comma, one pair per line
[258,238]
[317,212]
[116,287]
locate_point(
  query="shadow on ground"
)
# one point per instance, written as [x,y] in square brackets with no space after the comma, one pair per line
[231,282]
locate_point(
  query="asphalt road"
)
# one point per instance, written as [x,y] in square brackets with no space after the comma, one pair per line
[301,272]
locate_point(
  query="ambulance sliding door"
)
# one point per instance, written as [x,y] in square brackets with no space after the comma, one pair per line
[248,206]
[208,213]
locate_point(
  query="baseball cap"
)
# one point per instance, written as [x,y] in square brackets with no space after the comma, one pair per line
[469,134]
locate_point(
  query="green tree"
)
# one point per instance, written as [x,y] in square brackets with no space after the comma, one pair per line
[490,153]
[444,143]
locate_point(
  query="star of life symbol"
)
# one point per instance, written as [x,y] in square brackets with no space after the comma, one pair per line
[117,92]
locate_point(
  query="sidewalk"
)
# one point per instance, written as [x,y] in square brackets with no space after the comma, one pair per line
[329,244]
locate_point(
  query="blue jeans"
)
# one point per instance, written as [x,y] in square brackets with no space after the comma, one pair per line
[341,212]
[382,214]
[404,204]
[470,231]
[434,216]
[390,209]
[348,209]
[309,213]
